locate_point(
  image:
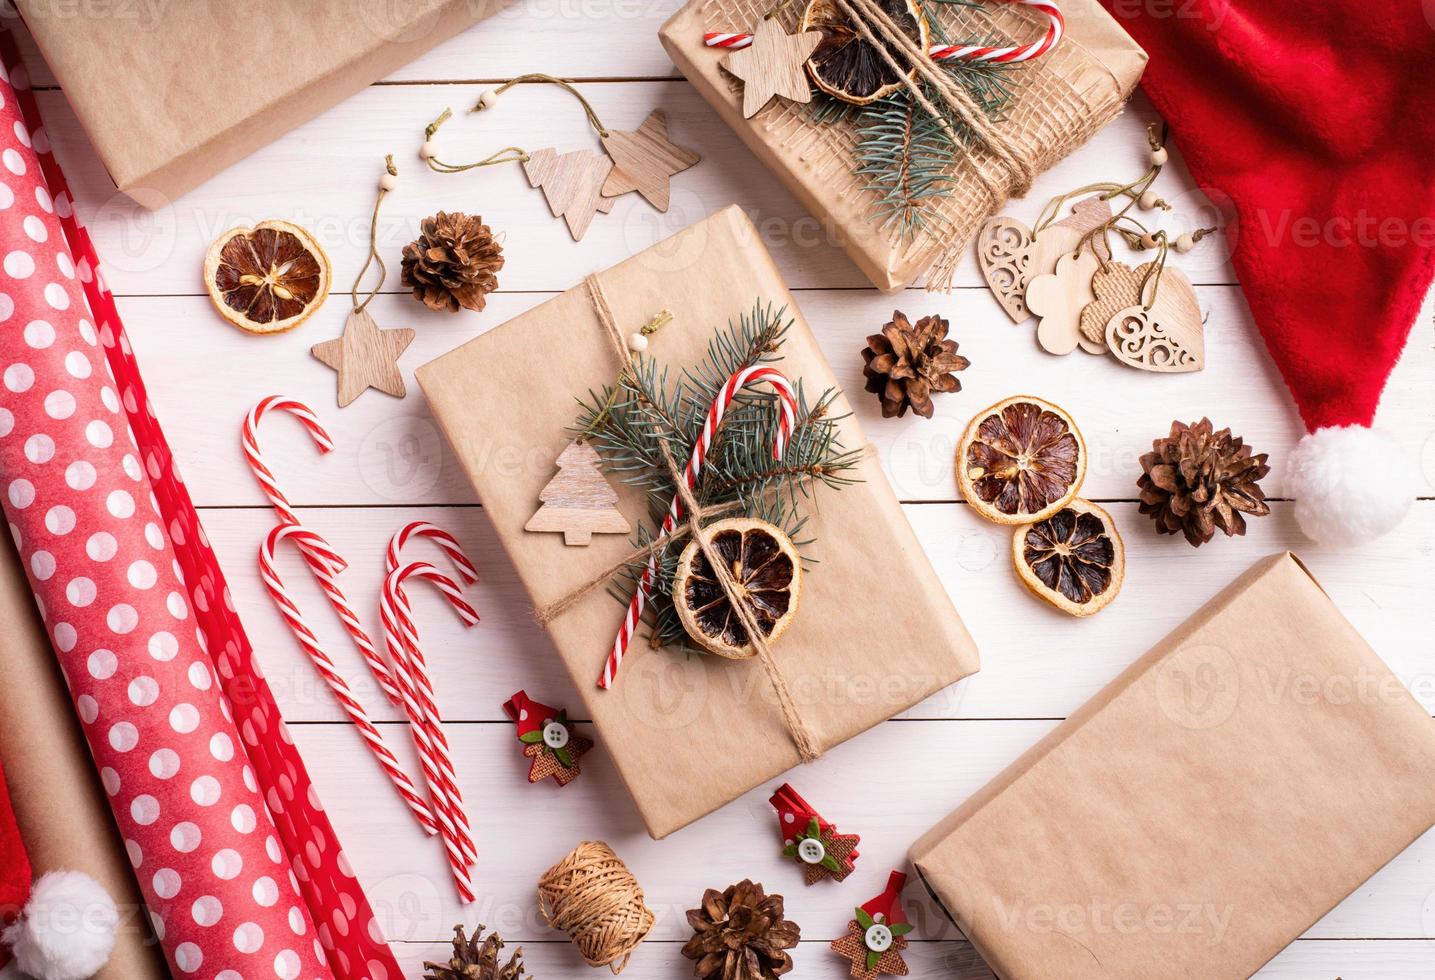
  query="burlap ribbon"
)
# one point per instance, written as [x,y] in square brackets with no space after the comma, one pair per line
[694,515]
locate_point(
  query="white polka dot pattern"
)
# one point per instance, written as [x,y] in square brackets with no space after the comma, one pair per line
[239,860]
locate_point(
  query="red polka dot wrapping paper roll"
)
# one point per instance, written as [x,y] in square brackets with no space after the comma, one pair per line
[235,857]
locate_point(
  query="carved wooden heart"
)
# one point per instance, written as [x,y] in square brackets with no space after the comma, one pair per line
[1169,337]
[1011,256]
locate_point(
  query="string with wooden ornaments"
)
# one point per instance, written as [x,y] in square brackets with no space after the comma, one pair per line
[592,896]
[581,184]
[364,355]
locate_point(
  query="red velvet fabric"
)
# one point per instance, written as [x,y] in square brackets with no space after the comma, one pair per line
[14,865]
[1316,122]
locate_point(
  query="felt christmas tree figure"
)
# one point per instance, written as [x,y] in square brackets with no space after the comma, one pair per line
[875,937]
[811,841]
[578,501]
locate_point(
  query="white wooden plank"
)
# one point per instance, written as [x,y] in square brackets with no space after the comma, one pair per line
[521,829]
[160,252]
[1036,663]
[391,452]
[1303,960]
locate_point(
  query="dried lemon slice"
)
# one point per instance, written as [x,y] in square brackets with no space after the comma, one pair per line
[768,571]
[266,279]
[1073,559]
[1021,460]
[847,66]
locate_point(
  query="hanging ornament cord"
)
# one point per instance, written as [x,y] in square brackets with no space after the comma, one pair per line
[387,183]
[509,154]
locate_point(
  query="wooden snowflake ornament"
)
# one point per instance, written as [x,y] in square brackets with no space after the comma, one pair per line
[548,739]
[811,841]
[877,934]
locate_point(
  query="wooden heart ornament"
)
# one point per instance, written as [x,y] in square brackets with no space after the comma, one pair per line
[1011,255]
[1116,286]
[1167,338]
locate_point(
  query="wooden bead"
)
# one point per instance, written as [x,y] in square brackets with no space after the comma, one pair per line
[1159,157]
[388,182]
[428,151]
[1148,240]
[1148,200]
[1184,243]
[638,342]
[487,98]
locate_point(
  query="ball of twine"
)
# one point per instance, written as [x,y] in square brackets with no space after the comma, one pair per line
[592,896]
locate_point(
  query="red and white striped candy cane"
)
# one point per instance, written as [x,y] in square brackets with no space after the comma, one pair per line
[287,608]
[425,722]
[325,568]
[447,542]
[787,419]
[1055,28]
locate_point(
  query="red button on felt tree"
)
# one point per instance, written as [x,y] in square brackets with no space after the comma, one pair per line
[811,841]
[548,739]
[875,938]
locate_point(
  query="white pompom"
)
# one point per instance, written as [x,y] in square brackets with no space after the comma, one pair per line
[67,929]
[1350,484]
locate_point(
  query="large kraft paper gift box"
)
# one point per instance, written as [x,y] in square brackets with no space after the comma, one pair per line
[1061,100]
[171,93]
[1205,809]
[689,733]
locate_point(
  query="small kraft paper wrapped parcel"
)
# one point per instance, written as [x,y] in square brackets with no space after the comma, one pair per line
[687,730]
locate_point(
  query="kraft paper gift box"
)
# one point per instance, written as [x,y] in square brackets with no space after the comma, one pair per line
[1202,811]
[171,93]
[1061,100]
[689,733]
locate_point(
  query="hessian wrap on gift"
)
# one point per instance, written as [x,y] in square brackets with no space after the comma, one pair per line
[236,860]
[1317,123]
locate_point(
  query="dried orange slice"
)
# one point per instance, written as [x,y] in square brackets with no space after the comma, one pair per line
[266,279]
[767,570]
[1021,460]
[847,66]
[1073,559]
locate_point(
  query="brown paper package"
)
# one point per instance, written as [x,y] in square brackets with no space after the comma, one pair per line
[1202,811]
[1062,99]
[59,804]
[170,94]
[690,733]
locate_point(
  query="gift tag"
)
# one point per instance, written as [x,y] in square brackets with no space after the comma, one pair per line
[772,67]
[1011,256]
[1116,286]
[578,501]
[644,159]
[1057,298]
[572,184]
[1167,338]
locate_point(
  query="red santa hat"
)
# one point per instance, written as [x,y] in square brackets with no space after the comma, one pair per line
[61,927]
[1317,122]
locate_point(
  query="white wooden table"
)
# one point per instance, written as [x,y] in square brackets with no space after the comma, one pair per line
[392,466]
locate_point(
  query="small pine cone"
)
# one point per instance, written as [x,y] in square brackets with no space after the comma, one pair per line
[477,959]
[1196,480]
[906,363]
[741,934]
[453,263]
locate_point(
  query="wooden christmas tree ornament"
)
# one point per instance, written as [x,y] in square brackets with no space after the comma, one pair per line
[1058,298]
[772,67]
[578,501]
[1011,255]
[644,160]
[1168,337]
[572,183]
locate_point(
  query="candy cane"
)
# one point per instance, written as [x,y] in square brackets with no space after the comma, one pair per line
[287,608]
[325,567]
[403,644]
[787,420]
[1056,27]
[446,541]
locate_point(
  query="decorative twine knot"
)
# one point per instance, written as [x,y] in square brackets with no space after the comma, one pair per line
[592,896]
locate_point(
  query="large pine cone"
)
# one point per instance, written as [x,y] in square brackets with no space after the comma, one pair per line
[453,263]
[475,959]
[1197,480]
[740,934]
[906,363]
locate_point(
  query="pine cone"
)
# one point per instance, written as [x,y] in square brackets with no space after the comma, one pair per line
[453,263]
[477,960]
[906,363]
[1197,480]
[740,934]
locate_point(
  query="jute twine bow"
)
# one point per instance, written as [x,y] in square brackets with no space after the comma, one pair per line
[878,29]
[592,896]
[694,514]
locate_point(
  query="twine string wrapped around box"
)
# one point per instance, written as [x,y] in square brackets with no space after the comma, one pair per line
[797,729]
[592,896]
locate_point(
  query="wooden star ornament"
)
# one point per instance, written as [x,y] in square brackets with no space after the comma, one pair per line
[365,357]
[771,67]
[644,159]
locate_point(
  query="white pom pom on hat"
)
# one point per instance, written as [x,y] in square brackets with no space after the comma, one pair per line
[66,930]
[1351,483]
